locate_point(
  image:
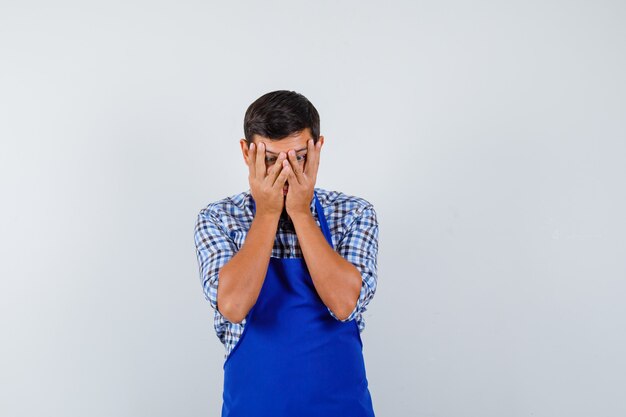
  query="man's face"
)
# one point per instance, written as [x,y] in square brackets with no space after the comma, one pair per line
[296,141]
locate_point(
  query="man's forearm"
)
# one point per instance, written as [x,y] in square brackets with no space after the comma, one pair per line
[336,280]
[241,279]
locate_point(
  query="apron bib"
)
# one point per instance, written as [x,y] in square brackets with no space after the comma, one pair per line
[293,358]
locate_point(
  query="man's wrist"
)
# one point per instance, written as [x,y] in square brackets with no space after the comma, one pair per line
[300,216]
[267,216]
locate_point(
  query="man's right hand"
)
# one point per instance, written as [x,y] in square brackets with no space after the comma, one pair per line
[241,278]
[266,186]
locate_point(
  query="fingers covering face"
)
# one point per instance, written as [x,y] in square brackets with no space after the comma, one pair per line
[258,167]
[313,158]
[285,172]
[277,168]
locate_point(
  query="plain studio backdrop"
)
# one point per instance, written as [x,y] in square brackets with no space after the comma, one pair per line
[490,137]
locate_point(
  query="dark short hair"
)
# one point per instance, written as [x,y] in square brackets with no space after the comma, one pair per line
[279,114]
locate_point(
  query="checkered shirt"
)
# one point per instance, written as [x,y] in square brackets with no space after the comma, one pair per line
[221,230]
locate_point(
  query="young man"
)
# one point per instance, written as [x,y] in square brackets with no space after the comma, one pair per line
[289,269]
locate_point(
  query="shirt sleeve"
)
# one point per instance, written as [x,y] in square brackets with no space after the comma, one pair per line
[214,248]
[359,246]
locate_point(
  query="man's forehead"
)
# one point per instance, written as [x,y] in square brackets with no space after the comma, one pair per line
[284,145]
[276,153]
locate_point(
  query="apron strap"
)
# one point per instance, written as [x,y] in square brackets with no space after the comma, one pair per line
[322,219]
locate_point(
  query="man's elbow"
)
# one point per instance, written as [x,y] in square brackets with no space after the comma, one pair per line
[350,305]
[230,314]
[229,310]
[226,307]
[347,310]
[342,317]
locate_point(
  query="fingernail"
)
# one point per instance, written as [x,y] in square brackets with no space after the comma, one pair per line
[292,152]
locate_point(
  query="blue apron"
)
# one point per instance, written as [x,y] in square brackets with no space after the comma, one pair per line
[293,358]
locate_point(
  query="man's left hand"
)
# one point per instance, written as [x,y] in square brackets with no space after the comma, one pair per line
[302,182]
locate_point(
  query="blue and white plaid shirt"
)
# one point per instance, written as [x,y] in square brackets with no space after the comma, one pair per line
[221,230]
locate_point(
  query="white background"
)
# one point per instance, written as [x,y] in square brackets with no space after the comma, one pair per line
[490,137]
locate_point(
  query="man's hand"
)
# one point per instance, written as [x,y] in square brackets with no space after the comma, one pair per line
[337,281]
[302,183]
[267,190]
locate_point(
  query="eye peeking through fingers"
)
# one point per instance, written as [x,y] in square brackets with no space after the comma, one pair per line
[271,160]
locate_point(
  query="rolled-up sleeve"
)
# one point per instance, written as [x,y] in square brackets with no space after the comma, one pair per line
[214,248]
[359,246]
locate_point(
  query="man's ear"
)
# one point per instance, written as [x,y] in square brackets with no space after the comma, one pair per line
[244,149]
[321,139]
